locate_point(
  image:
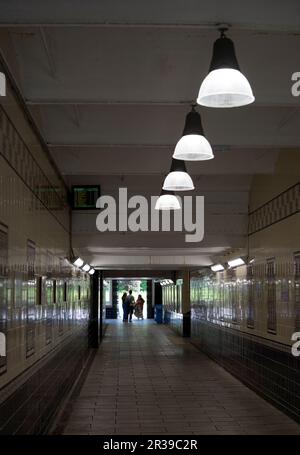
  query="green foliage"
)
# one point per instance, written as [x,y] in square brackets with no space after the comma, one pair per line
[135,285]
[143,286]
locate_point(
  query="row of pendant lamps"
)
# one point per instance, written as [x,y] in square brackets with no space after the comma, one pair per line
[236,262]
[224,87]
[78,262]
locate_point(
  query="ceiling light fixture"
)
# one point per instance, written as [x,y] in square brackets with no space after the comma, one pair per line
[166,282]
[217,267]
[92,271]
[236,262]
[225,85]
[167,201]
[78,262]
[178,179]
[86,268]
[193,146]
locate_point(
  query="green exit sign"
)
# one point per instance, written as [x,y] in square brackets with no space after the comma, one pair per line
[84,197]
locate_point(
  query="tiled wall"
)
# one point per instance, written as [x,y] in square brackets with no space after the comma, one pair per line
[174,320]
[172,306]
[245,317]
[265,366]
[44,302]
[250,299]
[112,311]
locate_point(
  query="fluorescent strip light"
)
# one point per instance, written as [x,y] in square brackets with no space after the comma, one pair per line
[217,268]
[236,262]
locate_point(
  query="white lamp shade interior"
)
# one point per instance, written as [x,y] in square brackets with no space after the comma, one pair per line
[167,202]
[217,268]
[236,262]
[193,147]
[225,87]
[78,262]
[178,181]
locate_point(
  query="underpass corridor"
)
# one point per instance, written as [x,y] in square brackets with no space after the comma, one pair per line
[145,379]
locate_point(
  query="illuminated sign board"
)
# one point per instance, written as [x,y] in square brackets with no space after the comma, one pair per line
[84,197]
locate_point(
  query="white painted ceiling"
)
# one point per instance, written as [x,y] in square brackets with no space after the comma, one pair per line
[109,84]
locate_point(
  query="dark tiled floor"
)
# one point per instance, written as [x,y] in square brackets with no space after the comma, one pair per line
[147,380]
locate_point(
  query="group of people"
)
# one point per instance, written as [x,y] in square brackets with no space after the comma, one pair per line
[130,306]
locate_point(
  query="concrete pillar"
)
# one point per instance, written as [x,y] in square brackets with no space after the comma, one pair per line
[186,305]
[101,307]
[150,309]
[94,312]
[112,313]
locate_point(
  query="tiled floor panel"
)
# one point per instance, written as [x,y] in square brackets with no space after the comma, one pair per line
[147,380]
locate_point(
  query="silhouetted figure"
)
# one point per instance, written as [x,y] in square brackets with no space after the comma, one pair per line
[130,304]
[125,314]
[139,306]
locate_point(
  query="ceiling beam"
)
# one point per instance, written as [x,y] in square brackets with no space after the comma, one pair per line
[211,25]
[217,147]
[76,115]
[268,16]
[48,52]
[93,102]
[137,273]
[156,103]
[101,145]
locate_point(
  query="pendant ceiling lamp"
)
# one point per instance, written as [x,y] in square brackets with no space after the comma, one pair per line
[225,85]
[193,146]
[78,262]
[178,179]
[167,201]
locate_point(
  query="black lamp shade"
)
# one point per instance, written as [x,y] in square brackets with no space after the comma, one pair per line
[177,166]
[224,55]
[193,124]
[164,192]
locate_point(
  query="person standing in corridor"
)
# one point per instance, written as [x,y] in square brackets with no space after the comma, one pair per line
[130,303]
[139,306]
[125,313]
